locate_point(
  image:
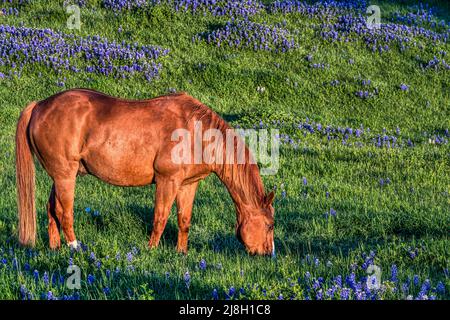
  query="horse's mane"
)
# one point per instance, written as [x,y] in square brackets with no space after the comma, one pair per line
[243,178]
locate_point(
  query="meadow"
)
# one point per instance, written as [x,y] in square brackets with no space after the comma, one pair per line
[364,175]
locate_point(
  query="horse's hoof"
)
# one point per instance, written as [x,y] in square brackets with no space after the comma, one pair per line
[55,245]
[73,245]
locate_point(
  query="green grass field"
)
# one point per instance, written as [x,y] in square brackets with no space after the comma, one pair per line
[393,200]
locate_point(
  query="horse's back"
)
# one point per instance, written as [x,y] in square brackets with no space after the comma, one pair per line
[117,140]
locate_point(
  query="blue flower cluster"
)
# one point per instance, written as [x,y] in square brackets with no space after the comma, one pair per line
[241,8]
[12,8]
[344,21]
[437,64]
[356,285]
[347,135]
[246,34]
[9,11]
[100,277]
[421,15]
[21,46]
[236,8]
[120,5]
[351,27]
[319,9]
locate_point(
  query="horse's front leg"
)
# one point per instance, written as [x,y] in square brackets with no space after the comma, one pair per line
[185,201]
[166,191]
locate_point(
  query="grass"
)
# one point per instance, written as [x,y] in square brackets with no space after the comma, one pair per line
[412,211]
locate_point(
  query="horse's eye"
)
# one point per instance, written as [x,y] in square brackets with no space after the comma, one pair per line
[270,226]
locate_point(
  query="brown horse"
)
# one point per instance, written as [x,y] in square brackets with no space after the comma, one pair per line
[130,143]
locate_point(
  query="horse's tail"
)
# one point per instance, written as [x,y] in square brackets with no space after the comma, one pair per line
[25,180]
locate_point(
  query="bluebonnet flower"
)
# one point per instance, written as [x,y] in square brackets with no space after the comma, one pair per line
[351,281]
[215,294]
[440,288]
[187,279]
[90,279]
[404,87]
[405,287]
[317,262]
[202,264]
[333,212]
[45,278]
[231,293]
[50,296]
[23,292]
[129,257]
[394,272]
[424,290]
[416,280]
[91,54]
[316,285]
[413,252]
[345,293]
[338,281]
[251,35]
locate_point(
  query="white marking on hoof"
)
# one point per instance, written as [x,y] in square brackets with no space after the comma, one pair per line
[73,244]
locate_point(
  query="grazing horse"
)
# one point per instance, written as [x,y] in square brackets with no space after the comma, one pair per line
[130,143]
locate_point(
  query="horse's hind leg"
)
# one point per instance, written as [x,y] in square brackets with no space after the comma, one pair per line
[53,221]
[64,195]
[166,191]
[185,201]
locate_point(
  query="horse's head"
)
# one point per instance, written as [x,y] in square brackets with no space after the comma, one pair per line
[255,230]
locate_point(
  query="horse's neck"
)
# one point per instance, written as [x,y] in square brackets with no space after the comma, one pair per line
[243,181]
[244,185]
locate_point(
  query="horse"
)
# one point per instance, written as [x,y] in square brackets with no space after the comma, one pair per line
[130,143]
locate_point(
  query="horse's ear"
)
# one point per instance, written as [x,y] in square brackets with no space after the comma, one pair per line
[269,198]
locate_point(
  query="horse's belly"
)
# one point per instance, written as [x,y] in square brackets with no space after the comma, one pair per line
[121,169]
